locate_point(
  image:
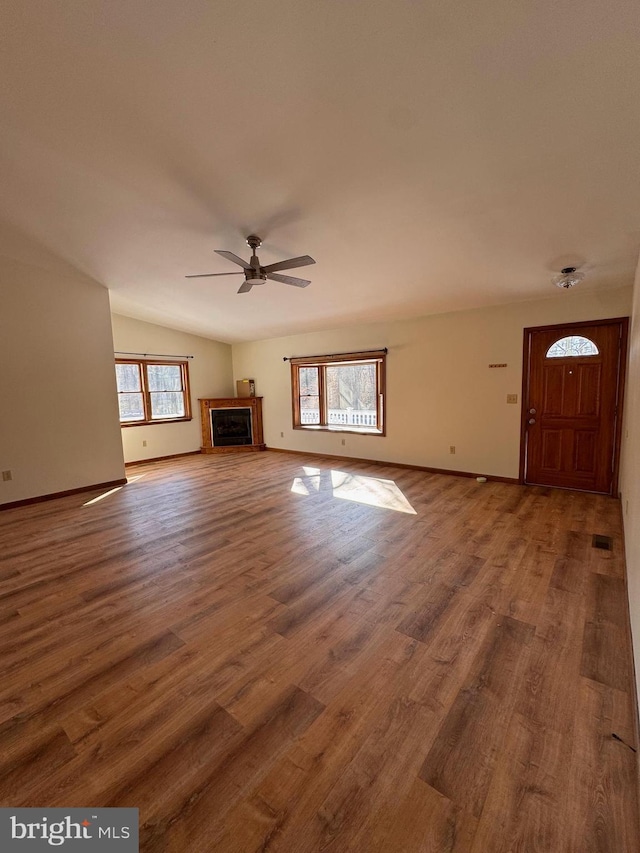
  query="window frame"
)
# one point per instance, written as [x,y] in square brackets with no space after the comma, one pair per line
[376,357]
[143,364]
[573,354]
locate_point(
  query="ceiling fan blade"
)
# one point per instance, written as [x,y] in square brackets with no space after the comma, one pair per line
[288,279]
[234,258]
[291,264]
[245,287]
[209,274]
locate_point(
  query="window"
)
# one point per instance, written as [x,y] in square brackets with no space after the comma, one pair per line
[339,392]
[574,345]
[152,392]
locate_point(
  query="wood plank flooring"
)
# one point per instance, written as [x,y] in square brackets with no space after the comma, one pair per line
[269,652]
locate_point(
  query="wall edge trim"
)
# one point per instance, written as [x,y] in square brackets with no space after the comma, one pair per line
[427,469]
[53,495]
[634,667]
[162,458]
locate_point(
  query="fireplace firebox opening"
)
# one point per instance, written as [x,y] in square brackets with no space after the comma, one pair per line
[231,427]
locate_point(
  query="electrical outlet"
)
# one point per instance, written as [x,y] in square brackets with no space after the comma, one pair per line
[281,435]
[144,443]
[452,448]
[512,398]
[344,442]
[6,476]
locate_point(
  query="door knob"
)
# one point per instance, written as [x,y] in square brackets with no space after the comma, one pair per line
[532,411]
[532,420]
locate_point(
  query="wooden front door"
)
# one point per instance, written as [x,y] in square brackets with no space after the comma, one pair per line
[572,404]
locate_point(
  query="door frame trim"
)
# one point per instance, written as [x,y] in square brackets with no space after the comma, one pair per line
[623,322]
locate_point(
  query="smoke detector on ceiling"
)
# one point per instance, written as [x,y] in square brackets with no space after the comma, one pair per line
[568,278]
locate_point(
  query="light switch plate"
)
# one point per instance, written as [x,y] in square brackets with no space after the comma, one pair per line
[512,398]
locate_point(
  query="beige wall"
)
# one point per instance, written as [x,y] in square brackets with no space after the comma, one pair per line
[59,417]
[440,391]
[209,373]
[630,479]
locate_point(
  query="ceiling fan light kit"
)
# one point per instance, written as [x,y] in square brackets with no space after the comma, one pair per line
[255,274]
[569,277]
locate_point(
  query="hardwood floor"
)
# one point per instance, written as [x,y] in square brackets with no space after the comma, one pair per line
[262,656]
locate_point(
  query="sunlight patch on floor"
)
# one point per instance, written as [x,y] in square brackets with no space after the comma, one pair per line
[102,496]
[308,484]
[371,491]
[113,491]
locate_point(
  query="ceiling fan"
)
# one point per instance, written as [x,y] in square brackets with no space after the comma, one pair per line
[255,274]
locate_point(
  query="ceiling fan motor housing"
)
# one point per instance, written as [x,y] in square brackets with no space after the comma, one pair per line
[255,275]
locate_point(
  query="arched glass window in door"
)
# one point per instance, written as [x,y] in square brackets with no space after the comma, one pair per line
[575,345]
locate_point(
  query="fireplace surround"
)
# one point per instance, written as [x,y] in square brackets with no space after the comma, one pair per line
[231,424]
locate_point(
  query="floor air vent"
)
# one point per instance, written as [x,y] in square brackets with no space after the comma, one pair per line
[603,542]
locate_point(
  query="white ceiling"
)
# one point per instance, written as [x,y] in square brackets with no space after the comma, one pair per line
[430,156]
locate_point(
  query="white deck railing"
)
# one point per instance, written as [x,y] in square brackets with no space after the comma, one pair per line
[341,417]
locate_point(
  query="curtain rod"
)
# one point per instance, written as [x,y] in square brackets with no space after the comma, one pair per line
[336,354]
[151,354]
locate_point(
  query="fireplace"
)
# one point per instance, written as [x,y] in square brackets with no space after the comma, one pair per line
[231,424]
[231,427]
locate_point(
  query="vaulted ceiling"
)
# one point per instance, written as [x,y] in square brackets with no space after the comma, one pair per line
[430,156]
